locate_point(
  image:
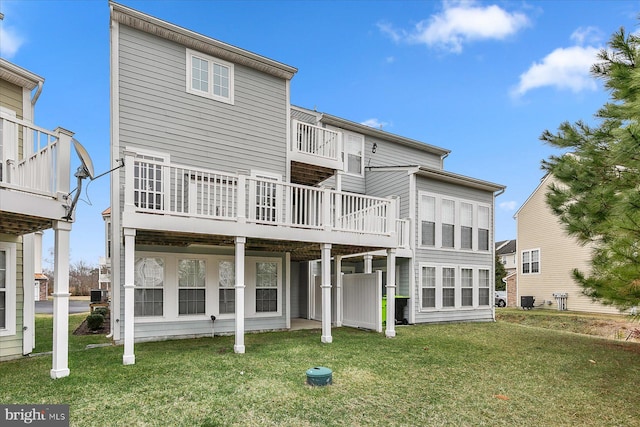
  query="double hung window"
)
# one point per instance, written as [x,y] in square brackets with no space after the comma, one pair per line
[266,287]
[227,292]
[531,261]
[466,284]
[7,289]
[191,286]
[149,286]
[428,287]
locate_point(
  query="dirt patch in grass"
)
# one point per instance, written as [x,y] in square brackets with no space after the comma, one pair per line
[619,328]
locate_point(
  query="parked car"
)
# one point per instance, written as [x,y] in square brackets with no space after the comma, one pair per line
[501,299]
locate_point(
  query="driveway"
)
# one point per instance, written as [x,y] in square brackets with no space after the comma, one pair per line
[46,307]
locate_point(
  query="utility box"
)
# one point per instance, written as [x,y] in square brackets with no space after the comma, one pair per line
[526,302]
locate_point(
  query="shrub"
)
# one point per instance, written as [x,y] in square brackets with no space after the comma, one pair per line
[95,321]
[101,310]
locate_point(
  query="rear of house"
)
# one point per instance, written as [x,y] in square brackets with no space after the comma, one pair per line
[234,207]
[547,255]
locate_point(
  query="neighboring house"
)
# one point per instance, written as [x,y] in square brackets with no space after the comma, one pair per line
[506,253]
[34,183]
[229,192]
[104,263]
[547,255]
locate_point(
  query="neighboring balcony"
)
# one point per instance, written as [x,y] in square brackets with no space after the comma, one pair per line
[34,175]
[181,199]
[315,153]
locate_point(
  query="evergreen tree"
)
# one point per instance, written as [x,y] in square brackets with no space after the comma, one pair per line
[597,190]
[501,273]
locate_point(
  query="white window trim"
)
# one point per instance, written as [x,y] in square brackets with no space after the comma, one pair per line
[477,287]
[10,299]
[216,286]
[212,60]
[345,159]
[164,286]
[475,272]
[190,257]
[530,261]
[457,224]
[250,309]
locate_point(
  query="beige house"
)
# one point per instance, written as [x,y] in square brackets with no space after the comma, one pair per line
[547,256]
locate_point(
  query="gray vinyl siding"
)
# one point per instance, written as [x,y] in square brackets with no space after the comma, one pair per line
[387,153]
[389,183]
[295,289]
[11,346]
[157,113]
[458,258]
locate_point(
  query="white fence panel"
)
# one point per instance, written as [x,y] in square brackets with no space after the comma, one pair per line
[362,300]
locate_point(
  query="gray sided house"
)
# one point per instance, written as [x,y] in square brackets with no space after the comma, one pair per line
[235,209]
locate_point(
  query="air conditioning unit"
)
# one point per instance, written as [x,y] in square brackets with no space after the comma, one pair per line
[99,295]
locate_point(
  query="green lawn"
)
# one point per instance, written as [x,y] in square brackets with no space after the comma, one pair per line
[455,374]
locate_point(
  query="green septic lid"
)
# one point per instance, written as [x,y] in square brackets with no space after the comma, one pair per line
[318,371]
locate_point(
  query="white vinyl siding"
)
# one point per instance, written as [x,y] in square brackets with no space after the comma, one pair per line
[209,77]
[7,289]
[452,224]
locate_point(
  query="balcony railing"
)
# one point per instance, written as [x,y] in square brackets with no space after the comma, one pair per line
[402,233]
[33,159]
[154,186]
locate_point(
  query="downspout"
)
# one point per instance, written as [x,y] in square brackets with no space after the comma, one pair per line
[36,95]
[444,156]
[493,257]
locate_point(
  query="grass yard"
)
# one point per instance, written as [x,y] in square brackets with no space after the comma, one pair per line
[478,374]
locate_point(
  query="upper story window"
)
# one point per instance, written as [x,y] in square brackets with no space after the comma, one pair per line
[531,261]
[451,223]
[353,153]
[209,77]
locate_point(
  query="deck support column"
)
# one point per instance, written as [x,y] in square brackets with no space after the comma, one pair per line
[129,358]
[368,263]
[390,331]
[238,347]
[60,365]
[326,293]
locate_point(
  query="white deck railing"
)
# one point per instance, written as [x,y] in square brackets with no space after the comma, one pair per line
[316,141]
[34,159]
[402,232]
[154,186]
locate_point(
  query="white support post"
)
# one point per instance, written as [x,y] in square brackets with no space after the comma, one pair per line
[129,358]
[63,162]
[338,260]
[368,263]
[239,343]
[242,194]
[390,331]
[326,293]
[60,367]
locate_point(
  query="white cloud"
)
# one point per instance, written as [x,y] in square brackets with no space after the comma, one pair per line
[374,123]
[508,206]
[461,22]
[590,35]
[564,68]
[390,59]
[11,41]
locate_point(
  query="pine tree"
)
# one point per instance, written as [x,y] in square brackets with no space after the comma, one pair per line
[597,195]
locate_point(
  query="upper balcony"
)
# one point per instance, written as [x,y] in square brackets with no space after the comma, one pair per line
[315,153]
[184,205]
[34,175]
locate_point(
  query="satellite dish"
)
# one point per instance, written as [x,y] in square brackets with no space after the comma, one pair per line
[87,164]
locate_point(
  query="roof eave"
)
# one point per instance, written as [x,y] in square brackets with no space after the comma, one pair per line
[18,75]
[444,176]
[199,42]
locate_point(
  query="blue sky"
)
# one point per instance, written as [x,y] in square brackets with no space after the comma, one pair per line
[481,78]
